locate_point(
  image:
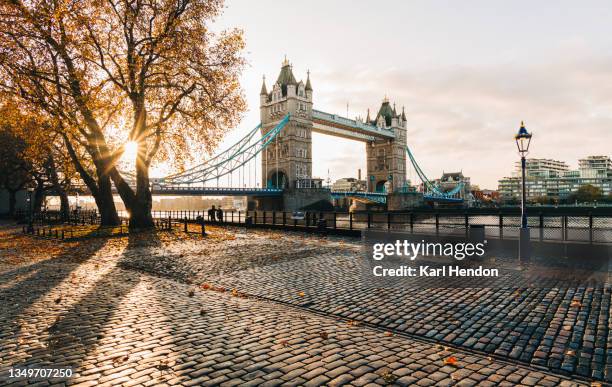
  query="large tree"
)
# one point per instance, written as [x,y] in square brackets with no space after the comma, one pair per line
[33,155]
[14,168]
[586,193]
[114,71]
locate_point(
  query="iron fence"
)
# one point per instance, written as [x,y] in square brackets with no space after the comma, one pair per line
[587,228]
[545,227]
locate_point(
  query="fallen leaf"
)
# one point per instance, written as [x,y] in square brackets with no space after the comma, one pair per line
[388,334]
[451,360]
[324,335]
[388,377]
[120,359]
[191,293]
[163,366]
[576,304]
[301,294]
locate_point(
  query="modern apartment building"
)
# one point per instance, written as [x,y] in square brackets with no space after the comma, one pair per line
[543,168]
[553,179]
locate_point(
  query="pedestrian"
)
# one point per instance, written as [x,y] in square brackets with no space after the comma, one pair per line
[211,214]
[220,215]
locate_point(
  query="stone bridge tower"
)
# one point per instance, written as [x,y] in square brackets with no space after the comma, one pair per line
[287,161]
[386,158]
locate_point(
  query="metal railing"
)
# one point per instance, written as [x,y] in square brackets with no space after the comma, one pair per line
[585,228]
[591,228]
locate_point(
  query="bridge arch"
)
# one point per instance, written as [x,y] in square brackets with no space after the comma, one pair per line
[380,186]
[278,179]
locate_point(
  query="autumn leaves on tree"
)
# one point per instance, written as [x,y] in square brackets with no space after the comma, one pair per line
[107,72]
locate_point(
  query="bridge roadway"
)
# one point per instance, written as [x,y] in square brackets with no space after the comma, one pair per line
[335,125]
[180,190]
[215,191]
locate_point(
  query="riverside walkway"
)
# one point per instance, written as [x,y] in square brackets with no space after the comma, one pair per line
[172,308]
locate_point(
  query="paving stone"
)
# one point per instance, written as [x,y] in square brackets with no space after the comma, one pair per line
[116,323]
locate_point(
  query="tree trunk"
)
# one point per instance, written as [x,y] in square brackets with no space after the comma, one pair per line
[140,209]
[53,176]
[64,204]
[38,197]
[105,203]
[101,191]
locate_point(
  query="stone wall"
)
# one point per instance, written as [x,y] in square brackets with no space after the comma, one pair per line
[295,199]
[404,200]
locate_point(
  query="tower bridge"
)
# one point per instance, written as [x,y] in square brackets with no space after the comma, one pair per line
[272,163]
[287,162]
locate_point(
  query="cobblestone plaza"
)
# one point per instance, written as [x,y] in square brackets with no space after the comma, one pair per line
[257,307]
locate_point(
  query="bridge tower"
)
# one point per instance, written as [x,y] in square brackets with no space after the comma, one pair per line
[287,162]
[386,158]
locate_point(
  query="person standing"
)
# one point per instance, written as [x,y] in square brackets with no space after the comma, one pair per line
[211,214]
[220,214]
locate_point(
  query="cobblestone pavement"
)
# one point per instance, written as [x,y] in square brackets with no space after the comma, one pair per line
[77,304]
[563,329]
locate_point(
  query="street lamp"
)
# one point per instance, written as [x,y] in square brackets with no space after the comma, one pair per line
[523,139]
[30,210]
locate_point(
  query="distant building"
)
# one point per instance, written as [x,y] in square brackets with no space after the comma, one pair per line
[595,167]
[450,180]
[485,195]
[542,168]
[554,180]
[350,184]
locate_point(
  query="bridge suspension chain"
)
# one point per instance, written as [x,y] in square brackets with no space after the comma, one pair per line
[429,186]
[228,161]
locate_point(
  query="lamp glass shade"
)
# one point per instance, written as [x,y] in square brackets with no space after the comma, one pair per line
[523,139]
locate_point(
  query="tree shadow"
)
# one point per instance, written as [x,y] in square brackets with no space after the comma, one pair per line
[34,281]
[77,330]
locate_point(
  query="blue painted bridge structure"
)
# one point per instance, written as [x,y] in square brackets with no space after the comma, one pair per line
[369,197]
[274,159]
[205,179]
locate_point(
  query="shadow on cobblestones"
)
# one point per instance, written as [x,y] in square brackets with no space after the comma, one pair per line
[123,327]
[563,329]
[72,337]
[26,285]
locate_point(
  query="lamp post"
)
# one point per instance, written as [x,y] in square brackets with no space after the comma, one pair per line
[523,139]
[30,211]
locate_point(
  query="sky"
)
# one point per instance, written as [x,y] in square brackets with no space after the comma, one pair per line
[467,73]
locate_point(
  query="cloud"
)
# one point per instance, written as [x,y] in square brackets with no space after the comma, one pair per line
[464,117]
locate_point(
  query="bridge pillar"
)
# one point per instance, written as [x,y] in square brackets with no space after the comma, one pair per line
[386,159]
[297,199]
[294,200]
[398,201]
[267,203]
[288,159]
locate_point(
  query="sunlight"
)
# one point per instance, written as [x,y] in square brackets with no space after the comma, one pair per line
[129,152]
